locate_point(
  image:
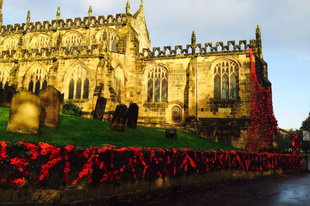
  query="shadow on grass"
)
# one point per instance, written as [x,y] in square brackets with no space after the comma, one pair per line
[74,130]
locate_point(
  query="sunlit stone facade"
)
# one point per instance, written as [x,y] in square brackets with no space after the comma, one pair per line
[111,56]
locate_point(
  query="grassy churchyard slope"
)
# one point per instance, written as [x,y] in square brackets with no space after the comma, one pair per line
[80,131]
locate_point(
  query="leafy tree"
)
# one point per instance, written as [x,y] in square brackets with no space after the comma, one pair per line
[305,126]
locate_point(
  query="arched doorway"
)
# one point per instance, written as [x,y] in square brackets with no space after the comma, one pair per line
[176,114]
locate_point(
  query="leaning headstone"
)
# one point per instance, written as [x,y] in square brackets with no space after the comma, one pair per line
[42,116]
[171,134]
[6,96]
[62,98]
[100,107]
[132,115]
[2,97]
[24,113]
[119,118]
[50,100]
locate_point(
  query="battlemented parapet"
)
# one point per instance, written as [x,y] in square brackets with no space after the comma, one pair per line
[75,23]
[207,48]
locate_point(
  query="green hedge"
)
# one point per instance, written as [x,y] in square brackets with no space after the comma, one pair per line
[46,165]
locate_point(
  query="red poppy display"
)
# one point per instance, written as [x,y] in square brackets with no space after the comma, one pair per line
[108,164]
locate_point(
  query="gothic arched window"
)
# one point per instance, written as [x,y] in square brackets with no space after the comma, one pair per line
[79,83]
[11,43]
[157,85]
[110,38]
[37,80]
[72,40]
[40,41]
[226,80]
[3,79]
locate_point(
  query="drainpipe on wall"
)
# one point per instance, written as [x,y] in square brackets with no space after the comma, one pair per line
[197,120]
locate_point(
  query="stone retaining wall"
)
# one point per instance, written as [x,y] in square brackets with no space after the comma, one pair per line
[105,194]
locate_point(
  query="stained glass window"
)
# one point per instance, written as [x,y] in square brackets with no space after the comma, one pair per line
[71,89]
[233,86]
[226,80]
[157,90]
[217,87]
[86,89]
[150,90]
[37,89]
[79,83]
[78,89]
[164,91]
[157,85]
[225,87]
[37,80]
[30,86]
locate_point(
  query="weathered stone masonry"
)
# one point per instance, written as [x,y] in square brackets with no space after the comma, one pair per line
[111,56]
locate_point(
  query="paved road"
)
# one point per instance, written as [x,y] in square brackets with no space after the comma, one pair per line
[287,190]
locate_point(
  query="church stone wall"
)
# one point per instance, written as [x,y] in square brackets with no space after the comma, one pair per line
[111,56]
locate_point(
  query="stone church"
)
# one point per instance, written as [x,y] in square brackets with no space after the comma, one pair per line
[111,56]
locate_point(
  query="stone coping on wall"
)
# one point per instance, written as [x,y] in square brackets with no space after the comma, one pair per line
[107,194]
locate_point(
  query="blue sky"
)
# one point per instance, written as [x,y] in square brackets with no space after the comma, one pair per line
[284,24]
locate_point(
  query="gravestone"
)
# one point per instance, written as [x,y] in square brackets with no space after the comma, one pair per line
[50,100]
[6,96]
[24,113]
[119,118]
[171,134]
[132,115]
[100,107]
[62,98]
[2,97]
[42,116]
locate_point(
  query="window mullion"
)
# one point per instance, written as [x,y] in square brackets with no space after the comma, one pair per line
[160,90]
[153,88]
[82,88]
[228,83]
[75,88]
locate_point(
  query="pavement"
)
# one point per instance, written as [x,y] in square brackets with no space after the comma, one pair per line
[284,190]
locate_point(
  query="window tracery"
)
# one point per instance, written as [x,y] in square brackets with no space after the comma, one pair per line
[40,41]
[157,85]
[226,80]
[79,83]
[109,37]
[37,80]
[11,43]
[73,39]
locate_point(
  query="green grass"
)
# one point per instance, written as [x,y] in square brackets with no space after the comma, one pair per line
[80,131]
